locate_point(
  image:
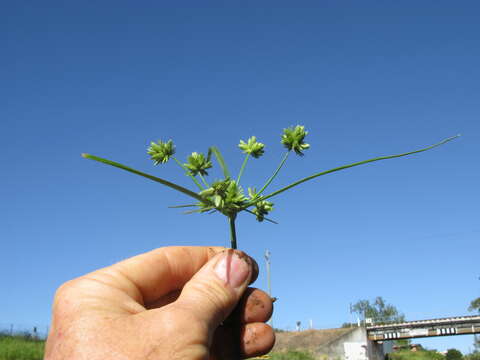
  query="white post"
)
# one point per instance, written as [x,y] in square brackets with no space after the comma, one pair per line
[269,287]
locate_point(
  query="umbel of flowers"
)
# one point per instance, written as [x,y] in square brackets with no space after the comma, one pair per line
[226,196]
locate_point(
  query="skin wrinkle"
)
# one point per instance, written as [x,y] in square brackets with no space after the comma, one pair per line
[164,300]
[138,296]
[89,298]
[210,296]
[177,270]
[171,268]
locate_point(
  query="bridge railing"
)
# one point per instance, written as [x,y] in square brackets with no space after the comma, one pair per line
[461,325]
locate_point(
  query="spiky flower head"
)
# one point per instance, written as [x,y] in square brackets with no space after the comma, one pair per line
[252,147]
[262,208]
[293,139]
[161,152]
[197,164]
[225,194]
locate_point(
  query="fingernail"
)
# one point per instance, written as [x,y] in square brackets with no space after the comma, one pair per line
[233,269]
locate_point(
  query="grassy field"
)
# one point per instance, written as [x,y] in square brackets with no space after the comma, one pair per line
[20,348]
[416,355]
[291,355]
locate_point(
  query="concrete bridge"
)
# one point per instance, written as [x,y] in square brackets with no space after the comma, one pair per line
[372,342]
[462,325]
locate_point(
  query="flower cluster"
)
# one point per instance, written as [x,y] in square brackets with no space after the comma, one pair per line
[262,207]
[161,152]
[226,195]
[293,139]
[252,147]
[197,164]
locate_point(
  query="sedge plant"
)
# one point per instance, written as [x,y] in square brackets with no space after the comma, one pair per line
[226,196]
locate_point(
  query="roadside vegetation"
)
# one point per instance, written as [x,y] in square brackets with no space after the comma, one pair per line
[21,347]
[291,355]
[452,354]
[416,355]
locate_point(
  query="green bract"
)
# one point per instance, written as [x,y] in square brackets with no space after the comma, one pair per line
[226,196]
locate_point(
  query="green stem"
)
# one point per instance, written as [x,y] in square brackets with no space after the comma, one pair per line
[233,233]
[242,168]
[203,180]
[188,173]
[354,164]
[285,157]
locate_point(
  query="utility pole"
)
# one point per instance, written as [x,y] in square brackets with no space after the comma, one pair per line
[269,286]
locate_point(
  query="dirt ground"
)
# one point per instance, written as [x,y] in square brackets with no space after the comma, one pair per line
[309,340]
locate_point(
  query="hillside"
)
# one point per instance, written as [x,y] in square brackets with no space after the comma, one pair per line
[309,340]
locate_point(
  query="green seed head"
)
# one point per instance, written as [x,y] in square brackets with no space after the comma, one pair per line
[252,147]
[161,152]
[197,164]
[226,196]
[262,208]
[293,139]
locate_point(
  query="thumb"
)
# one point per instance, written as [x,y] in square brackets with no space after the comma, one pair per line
[213,292]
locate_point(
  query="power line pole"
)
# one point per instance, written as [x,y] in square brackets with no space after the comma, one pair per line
[269,285]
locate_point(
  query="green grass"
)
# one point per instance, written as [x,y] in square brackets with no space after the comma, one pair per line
[20,348]
[291,355]
[416,355]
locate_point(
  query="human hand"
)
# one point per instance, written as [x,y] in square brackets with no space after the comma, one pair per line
[170,303]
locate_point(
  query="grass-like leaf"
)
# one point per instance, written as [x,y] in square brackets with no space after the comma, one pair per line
[265,218]
[220,160]
[346,167]
[182,206]
[148,176]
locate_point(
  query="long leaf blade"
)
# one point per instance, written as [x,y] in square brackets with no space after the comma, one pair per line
[221,161]
[182,206]
[148,176]
[266,219]
[346,167]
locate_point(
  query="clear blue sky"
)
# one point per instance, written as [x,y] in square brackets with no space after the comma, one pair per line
[366,78]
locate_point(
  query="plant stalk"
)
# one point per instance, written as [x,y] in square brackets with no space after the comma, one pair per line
[203,180]
[242,168]
[285,157]
[233,233]
[188,173]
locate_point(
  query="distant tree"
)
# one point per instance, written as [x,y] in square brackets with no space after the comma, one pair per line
[403,343]
[379,311]
[475,305]
[453,354]
[472,356]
